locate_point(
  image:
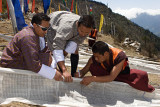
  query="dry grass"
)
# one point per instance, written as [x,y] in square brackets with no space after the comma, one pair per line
[128,50]
[154,80]
[19,104]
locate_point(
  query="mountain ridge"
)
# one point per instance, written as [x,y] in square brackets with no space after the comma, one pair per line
[149,22]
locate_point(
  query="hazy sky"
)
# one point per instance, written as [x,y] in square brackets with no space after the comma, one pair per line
[130,8]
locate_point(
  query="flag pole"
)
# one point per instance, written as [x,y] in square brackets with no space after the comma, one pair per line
[12,15]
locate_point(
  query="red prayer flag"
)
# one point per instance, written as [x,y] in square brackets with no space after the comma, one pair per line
[28,2]
[0,6]
[33,6]
[72,6]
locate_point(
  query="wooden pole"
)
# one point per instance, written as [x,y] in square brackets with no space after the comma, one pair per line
[12,15]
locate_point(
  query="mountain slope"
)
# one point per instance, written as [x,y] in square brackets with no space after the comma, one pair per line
[148,22]
[150,43]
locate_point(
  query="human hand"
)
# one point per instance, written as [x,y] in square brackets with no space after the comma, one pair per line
[76,74]
[87,80]
[58,76]
[67,76]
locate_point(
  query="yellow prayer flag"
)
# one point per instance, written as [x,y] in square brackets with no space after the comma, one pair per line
[101,23]
[66,2]
[76,9]
[50,8]
[59,7]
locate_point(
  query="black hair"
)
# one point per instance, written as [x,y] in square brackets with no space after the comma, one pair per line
[37,18]
[100,47]
[87,21]
[36,8]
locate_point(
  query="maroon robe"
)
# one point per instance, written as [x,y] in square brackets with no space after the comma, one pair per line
[23,52]
[135,78]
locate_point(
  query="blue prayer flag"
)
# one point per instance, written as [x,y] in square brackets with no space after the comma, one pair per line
[46,4]
[25,6]
[19,15]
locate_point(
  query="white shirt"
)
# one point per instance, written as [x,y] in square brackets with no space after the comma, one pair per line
[46,71]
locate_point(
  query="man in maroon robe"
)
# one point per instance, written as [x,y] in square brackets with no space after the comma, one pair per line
[92,37]
[111,64]
[27,50]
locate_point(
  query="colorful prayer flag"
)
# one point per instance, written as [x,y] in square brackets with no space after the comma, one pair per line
[33,6]
[76,9]
[64,2]
[50,8]
[0,6]
[59,7]
[46,4]
[90,9]
[19,15]
[25,6]
[28,2]
[72,6]
[101,22]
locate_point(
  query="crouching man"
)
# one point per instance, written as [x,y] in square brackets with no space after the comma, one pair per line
[111,64]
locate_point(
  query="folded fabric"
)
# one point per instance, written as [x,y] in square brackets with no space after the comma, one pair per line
[137,79]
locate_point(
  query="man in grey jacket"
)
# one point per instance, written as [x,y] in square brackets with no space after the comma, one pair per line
[67,31]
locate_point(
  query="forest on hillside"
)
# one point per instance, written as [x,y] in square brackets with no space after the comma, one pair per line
[114,24]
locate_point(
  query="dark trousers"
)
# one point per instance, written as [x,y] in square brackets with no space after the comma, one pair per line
[74,63]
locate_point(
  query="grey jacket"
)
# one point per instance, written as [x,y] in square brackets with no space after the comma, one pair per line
[63,29]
